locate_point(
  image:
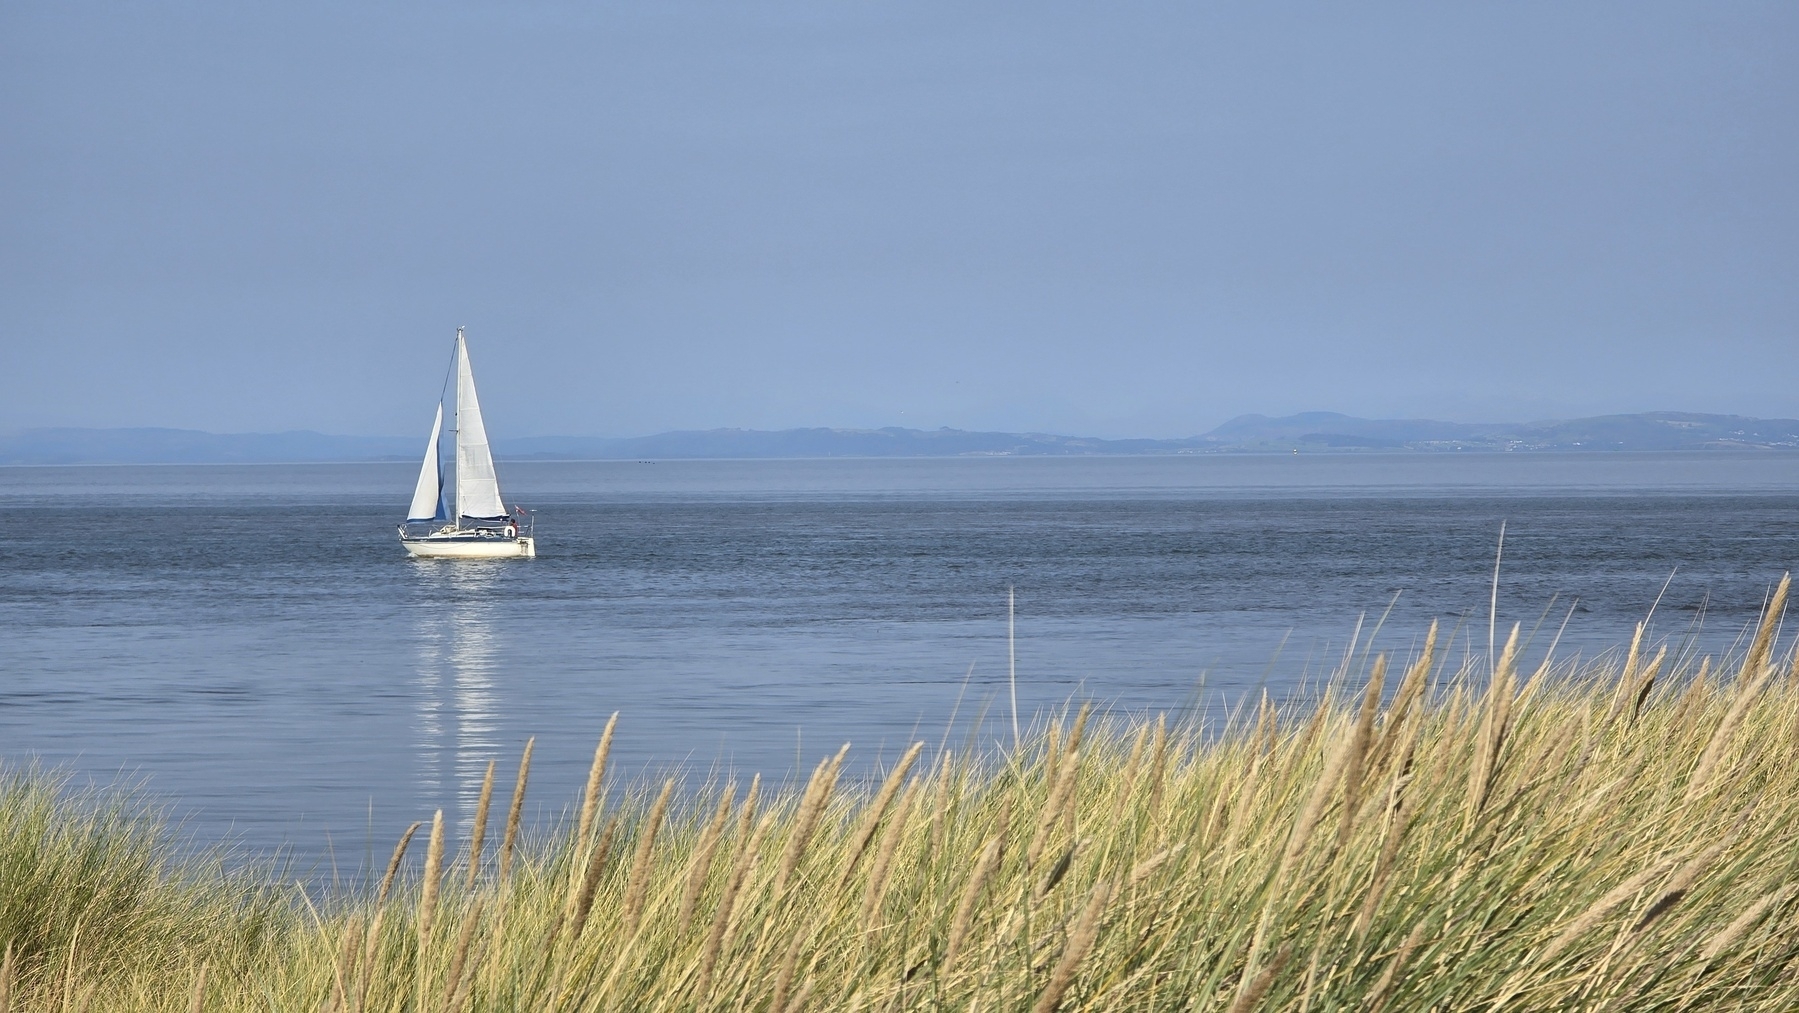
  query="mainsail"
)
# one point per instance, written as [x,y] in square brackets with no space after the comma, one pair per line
[477,488]
[428,495]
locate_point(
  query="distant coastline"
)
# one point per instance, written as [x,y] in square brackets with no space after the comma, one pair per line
[1309,432]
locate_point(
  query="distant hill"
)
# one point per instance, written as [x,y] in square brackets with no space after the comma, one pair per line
[891,442]
[1310,432]
[1646,431]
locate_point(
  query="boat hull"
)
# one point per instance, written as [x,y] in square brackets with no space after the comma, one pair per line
[466,547]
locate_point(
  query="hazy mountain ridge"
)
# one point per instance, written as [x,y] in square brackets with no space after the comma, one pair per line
[1641,431]
[1326,432]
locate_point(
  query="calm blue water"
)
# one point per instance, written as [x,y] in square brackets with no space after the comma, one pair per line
[252,643]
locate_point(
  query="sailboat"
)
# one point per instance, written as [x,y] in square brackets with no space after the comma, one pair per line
[481,528]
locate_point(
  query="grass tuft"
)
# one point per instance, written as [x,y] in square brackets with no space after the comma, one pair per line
[1601,837]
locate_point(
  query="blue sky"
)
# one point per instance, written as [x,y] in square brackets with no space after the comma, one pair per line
[1122,219]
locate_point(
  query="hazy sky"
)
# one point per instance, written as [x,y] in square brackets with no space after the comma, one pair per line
[1118,219]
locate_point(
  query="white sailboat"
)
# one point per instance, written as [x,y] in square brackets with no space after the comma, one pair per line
[481,527]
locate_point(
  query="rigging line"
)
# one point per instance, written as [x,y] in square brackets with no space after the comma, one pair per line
[443,392]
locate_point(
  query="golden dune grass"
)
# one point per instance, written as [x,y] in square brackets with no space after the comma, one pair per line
[1614,836]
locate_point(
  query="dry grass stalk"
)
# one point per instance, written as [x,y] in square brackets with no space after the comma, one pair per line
[1322,793]
[1678,885]
[789,963]
[197,1001]
[1358,749]
[1417,679]
[459,1000]
[1645,683]
[747,852]
[812,808]
[478,835]
[1314,726]
[1242,807]
[1297,841]
[1052,878]
[1132,765]
[1383,989]
[590,880]
[876,890]
[1250,996]
[68,967]
[1080,940]
[1398,813]
[1158,764]
[1147,867]
[984,867]
[1626,682]
[456,982]
[515,813]
[1311,981]
[1596,912]
[1266,726]
[1495,723]
[1692,698]
[877,809]
[348,946]
[434,860]
[1458,699]
[1383,871]
[393,864]
[596,774]
[1726,733]
[87,998]
[746,813]
[1060,795]
[700,867]
[1079,730]
[1551,757]
[365,971]
[639,880]
[8,971]
[799,1000]
[1764,634]
[1755,677]
[1727,936]
[939,810]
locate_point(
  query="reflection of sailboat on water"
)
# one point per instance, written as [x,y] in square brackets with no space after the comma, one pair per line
[458,642]
[482,527]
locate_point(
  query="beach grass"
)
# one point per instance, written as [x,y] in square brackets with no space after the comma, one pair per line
[1621,834]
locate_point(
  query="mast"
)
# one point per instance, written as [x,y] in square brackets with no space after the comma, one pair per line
[459,362]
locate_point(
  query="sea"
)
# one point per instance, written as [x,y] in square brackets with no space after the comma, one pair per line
[248,649]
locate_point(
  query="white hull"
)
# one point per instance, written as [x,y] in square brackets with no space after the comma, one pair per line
[471,548]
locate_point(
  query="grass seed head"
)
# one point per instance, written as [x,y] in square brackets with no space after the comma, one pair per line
[478,834]
[515,812]
[1080,940]
[876,810]
[434,860]
[393,863]
[640,863]
[596,775]
[700,866]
